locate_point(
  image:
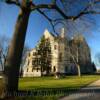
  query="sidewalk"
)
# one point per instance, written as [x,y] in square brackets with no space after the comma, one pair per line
[91,92]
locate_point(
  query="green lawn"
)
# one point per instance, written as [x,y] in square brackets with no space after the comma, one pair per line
[51,82]
[70,82]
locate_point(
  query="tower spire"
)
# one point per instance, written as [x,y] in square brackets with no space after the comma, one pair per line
[63,33]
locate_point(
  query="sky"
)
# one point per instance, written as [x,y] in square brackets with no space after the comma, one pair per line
[36,26]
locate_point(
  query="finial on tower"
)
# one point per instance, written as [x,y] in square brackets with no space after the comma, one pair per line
[63,33]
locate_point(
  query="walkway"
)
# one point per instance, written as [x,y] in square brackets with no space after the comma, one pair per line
[91,92]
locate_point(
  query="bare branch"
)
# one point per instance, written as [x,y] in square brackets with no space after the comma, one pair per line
[91,12]
[53,5]
[2,55]
[48,6]
[86,11]
[15,2]
[83,12]
[50,20]
[60,11]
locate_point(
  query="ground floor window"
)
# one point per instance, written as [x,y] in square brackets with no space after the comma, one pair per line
[37,69]
[32,69]
[27,69]
[54,69]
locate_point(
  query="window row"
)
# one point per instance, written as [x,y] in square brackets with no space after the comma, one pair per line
[37,69]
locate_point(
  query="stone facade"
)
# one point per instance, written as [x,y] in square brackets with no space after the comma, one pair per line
[53,55]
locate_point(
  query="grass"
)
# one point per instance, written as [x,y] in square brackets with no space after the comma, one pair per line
[51,82]
[70,82]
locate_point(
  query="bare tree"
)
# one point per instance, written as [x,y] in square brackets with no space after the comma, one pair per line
[4,42]
[24,55]
[74,55]
[97,58]
[13,60]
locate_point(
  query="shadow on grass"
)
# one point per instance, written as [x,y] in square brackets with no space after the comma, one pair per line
[39,94]
[49,94]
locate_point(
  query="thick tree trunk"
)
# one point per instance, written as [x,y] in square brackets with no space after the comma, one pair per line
[12,64]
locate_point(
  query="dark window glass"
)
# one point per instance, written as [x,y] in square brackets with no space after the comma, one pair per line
[27,69]
[54,68]
[55,47]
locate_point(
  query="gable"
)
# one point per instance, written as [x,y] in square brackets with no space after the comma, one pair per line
[47,34]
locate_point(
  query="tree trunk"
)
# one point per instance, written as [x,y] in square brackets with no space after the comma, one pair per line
[12,64]
[79,70]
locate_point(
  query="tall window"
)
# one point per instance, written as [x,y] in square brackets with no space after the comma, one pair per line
[32,69]
[55,47]
[28,62]
[54,69]
[33,62]
[47,39]
[37,69]
[34,53]
[27,69]
[29,54]
[60,57]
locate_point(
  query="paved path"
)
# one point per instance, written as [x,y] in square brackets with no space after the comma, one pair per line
[91,92]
